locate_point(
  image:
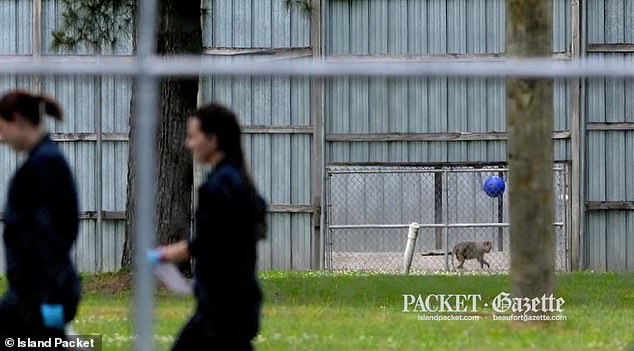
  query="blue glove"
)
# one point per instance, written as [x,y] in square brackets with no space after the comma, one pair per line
[53,316]
[154,257]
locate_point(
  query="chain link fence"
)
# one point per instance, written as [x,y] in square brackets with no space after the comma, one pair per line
[369,209]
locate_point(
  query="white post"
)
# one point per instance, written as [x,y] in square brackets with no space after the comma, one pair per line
[409,248]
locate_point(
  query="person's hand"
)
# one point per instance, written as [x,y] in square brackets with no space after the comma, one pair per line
[155,257]
[53,316]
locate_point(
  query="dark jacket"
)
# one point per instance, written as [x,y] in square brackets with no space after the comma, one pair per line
[40,227]
[224,251]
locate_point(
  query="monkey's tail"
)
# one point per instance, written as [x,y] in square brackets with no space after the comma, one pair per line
[453,267]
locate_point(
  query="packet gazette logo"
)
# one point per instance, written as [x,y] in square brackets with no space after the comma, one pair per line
[503,303]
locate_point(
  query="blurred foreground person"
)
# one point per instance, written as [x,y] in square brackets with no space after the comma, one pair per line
[40,226]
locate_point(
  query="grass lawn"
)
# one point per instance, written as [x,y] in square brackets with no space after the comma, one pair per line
[344,311]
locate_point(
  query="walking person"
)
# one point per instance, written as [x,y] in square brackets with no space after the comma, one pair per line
[40,225]
[229,222]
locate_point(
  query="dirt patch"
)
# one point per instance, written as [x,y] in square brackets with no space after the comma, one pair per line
[107,283]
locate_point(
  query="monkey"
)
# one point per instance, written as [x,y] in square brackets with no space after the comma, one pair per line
[467,250]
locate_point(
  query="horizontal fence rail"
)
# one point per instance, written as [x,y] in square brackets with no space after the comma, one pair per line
[240,67]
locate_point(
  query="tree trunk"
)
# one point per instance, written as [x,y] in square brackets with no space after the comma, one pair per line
[530,113]
[179,33]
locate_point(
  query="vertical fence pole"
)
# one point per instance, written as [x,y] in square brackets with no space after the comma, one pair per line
[412,234]
[501,217]
[146,173]
[445,218]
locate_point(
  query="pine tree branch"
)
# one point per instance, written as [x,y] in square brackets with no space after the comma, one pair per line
[95,23]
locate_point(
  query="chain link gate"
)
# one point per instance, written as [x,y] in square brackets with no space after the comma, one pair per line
[369,209]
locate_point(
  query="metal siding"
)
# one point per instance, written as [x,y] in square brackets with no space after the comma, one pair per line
[561,104]
[280,25]
[77,96]
[301,243]
[112,240]
[262,101]
[629,169]
[264,248]
[596,241]
[51,19]
[629,258]
[281,241]
[115,116]
[437,114]
[628,29]
[615,100]
[496,26]
[614,22]
[615,161]
[16,27]
[84,250]
[300,101]
[616,241]
[596,26]
[253,24]
[595,187]
[361,105]
[561,25]
[415,27]
[337,107]
[114,175]
[300,168]
[561,150]
[262,23]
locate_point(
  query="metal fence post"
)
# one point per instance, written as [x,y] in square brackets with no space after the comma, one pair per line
[146,174]
[445,196]
[412,234]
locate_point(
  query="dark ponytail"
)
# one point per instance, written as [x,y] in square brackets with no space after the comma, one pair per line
[30,106]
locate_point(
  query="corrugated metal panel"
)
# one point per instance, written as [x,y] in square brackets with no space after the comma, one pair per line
[281,166]
[84,251]
[253,24]
[616,241]
[289,244]
[596,241]
[16,27]
[596,21]
[629,228]
[112,241]
[561,25]
[425,105]
[415,27]
[610,22]
[608,233]
[114,115]
[262,101]
[629,169]
[596,161]
[608,243]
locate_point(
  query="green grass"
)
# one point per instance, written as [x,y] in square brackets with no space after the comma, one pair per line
[329,311]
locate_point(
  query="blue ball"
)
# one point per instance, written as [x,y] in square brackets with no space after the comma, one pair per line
[494,186]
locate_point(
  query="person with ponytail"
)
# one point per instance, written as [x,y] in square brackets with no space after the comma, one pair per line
[230,219]
[41,223]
